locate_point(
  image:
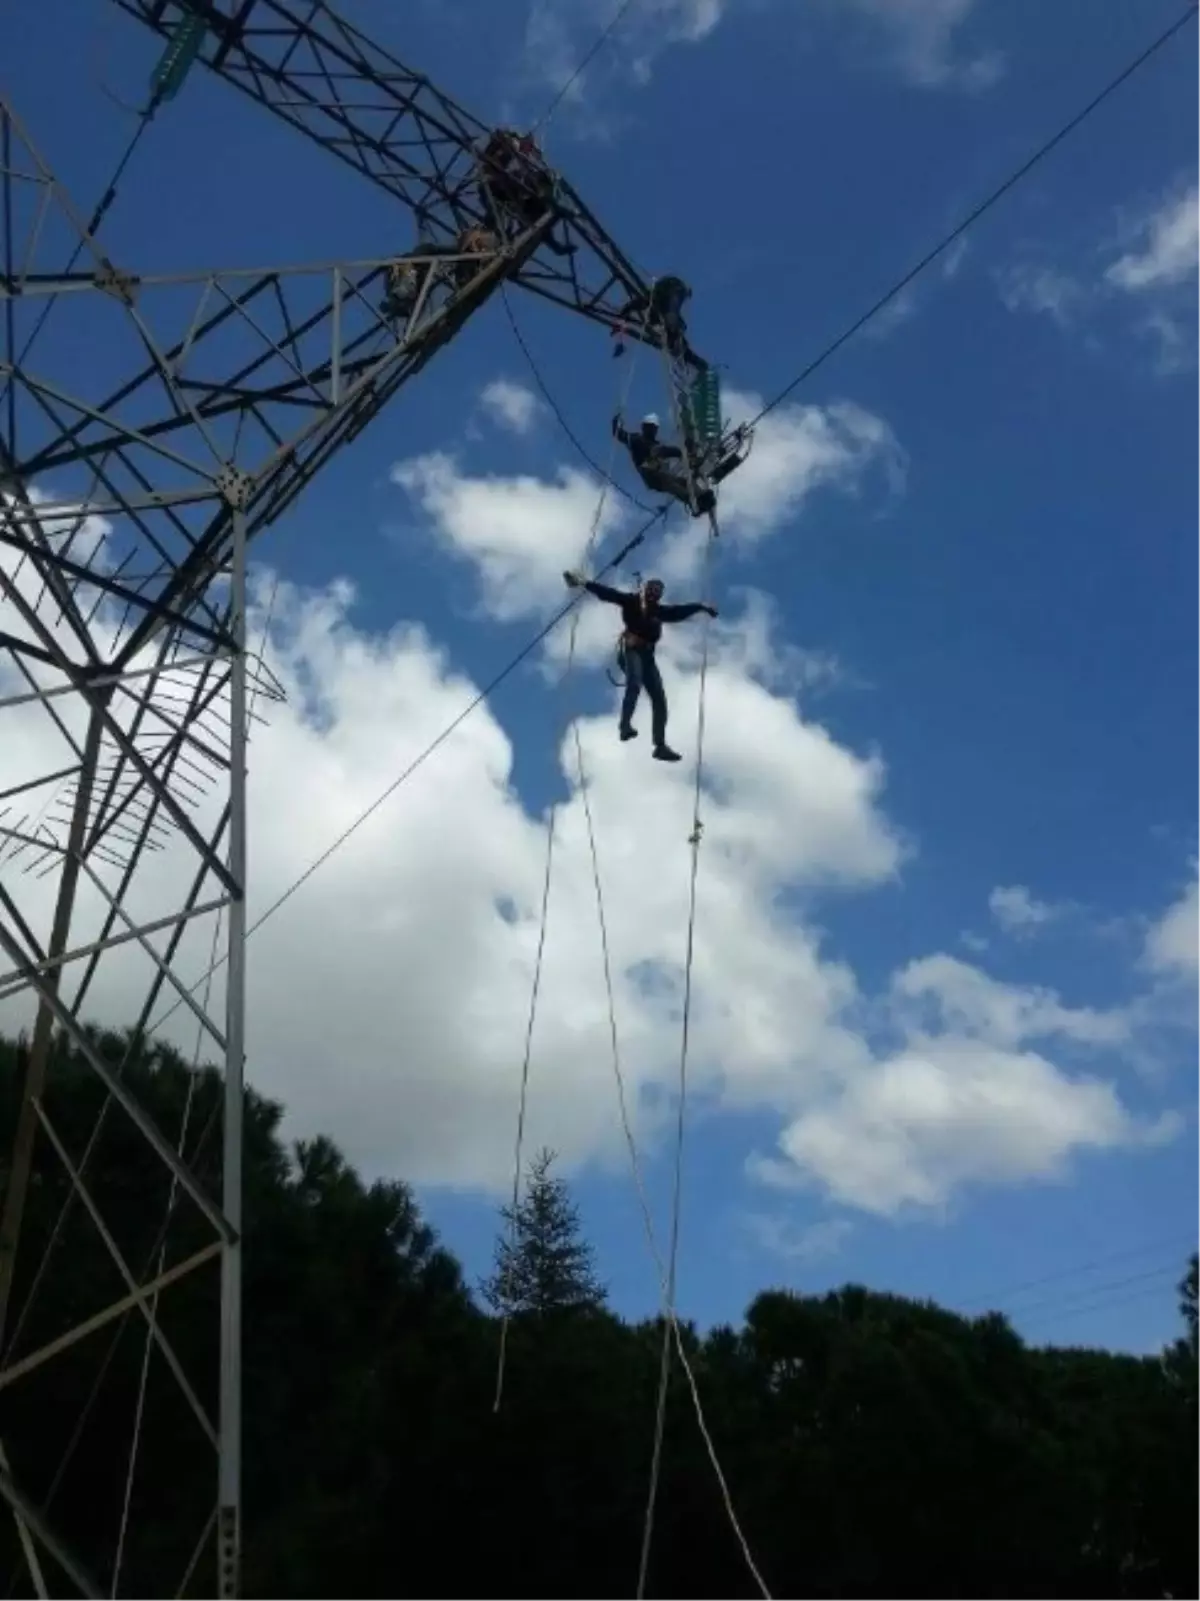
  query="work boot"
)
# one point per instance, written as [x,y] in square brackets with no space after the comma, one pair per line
[627,732]
[664,753]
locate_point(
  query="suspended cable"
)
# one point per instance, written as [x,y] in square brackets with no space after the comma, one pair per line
[586,62]
[423,756]
[562,421]
[100,210]
[978,211]
[535,990]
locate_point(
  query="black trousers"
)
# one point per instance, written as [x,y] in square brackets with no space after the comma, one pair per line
[641,672]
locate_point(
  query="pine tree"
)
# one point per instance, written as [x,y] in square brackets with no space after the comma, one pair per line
[543,1265]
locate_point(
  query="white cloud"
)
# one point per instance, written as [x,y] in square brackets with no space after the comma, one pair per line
[510,405]
[1168,253]
[1172,943]
[421,929]
[1153,274]
[558,35]
[798,450]
[922,35]
[799,1242]
[921,40]
[948,1114]
[520,532]
[945,995]
[1043,289]
[1018,911]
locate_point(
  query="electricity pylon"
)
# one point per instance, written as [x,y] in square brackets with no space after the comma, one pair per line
[150,427]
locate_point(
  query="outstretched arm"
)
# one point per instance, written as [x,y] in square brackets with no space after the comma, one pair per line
[680,614]
[615,597]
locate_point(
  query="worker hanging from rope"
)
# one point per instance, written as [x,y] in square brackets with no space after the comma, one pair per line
[643,614]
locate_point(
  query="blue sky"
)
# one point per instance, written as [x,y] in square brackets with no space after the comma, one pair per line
[991,596]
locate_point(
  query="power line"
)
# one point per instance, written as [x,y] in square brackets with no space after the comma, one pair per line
[419,760]
[1148,1248]
[984,205]
[603,39]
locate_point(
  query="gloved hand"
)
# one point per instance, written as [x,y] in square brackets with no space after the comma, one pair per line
[573,580]
[712,611]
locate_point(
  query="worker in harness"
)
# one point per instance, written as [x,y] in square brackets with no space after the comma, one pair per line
[643,614]
[650,455]
[662,312]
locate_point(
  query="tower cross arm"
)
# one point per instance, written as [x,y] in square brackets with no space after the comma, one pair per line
[330,81]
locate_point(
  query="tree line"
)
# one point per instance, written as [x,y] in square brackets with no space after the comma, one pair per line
[873,1445]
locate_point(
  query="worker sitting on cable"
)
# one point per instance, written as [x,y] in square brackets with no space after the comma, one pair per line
[649,455]
[643,615]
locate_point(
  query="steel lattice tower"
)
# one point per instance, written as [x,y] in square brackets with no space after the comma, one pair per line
[130,489]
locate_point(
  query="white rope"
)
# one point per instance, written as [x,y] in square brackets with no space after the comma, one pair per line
[535,990]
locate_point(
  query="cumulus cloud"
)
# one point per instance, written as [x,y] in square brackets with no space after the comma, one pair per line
[519,532]
[943,994]
[783,1236]
[1172,942]
[556,37]
[421,930]
[798,450]
[1018,911]
[922,38]
[1149,267]
[388,998]
[947,1114]
[1167,247]
[510,405]
[1042,289]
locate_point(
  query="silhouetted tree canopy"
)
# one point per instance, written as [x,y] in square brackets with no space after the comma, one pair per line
[873,1445]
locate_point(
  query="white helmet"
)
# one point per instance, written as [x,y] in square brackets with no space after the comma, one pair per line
[650,420]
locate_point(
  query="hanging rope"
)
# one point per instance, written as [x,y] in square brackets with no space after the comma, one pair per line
[670,1317]
[535,990]
[557,410]
[669,1323]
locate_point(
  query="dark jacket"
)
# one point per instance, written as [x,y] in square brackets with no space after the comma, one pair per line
[647,454]
[643,621]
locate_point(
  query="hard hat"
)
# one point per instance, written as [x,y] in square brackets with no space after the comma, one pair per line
[650,420]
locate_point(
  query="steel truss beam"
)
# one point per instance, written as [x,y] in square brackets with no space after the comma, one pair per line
[387,121]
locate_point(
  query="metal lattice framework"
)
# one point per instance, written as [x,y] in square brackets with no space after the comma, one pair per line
[150,426]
